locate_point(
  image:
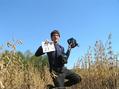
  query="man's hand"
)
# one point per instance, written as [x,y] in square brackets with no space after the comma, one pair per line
[69,46]
[46,42]
[53,75]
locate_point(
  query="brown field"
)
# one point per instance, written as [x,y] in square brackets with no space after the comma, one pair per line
[99,69]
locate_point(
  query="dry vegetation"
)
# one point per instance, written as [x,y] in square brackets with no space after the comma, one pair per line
[99,68]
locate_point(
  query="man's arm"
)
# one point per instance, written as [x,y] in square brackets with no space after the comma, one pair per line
[39,51]
[68,52]
[65,56]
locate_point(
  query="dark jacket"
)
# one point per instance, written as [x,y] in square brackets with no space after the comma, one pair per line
[55,58]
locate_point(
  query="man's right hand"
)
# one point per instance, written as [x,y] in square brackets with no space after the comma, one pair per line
[53,75]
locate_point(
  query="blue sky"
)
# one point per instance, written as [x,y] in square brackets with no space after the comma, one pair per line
[86,20]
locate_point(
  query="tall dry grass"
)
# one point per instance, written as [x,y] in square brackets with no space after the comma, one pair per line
[17,73]
[98,68]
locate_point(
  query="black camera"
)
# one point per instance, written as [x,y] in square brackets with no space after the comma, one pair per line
[72,42]
[63,58]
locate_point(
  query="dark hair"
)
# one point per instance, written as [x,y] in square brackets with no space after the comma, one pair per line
[55,32]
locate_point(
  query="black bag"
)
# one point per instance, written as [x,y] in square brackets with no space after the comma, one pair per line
[63,59]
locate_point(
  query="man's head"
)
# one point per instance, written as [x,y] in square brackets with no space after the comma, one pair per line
[55,35]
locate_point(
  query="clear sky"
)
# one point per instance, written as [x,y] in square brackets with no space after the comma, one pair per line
[86,20]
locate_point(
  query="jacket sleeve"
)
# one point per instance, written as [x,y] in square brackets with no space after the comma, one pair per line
[68,53]
[39,51]
[65,56]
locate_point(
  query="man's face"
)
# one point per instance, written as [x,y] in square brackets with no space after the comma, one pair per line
[55,38]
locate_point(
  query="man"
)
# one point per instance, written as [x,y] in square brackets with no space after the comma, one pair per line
[57,59]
